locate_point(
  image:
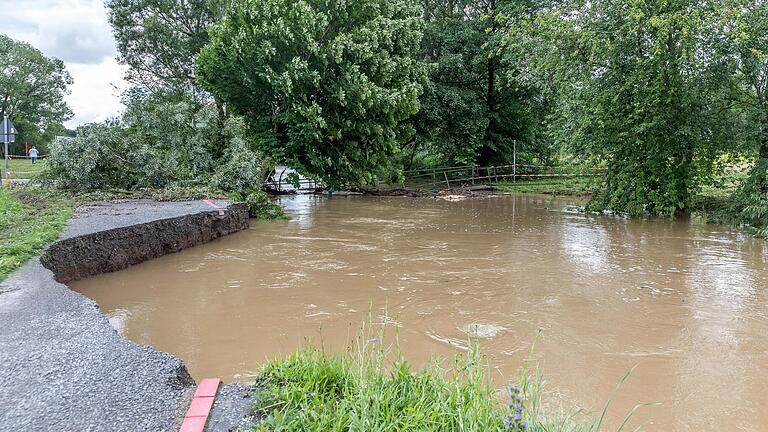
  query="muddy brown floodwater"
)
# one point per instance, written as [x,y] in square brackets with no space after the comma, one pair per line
[685,302]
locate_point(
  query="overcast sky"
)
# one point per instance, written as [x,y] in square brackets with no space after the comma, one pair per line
[77,32]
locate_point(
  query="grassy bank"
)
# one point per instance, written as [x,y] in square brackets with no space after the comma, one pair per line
[733,198]
[314,391]
[24,168]
[571,186]
[30,219]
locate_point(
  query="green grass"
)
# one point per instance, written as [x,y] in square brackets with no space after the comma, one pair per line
[30,219]
[362,391]
[23,168]
[572,186]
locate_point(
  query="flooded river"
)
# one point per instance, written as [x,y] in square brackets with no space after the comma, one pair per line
[687,303]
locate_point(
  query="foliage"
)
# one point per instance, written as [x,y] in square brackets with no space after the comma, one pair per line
[323,86]
[159,40]
[741,202]
[242,167]
[259,205]
[477,102]
[631,93]
[567,186]
[32,90]
[363,391]
[30,218]
[738,43]
[159,143]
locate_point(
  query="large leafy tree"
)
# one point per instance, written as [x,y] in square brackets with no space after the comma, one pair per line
[32,90]
[476,104]
[738,37]
[160,39]
[632,93]
[324,85]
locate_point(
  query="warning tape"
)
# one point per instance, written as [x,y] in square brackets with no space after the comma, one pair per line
[26,157]
[532,175]
[544,167]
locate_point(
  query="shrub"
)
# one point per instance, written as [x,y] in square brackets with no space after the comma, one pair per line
[259,205]
[241,167]
[158,145]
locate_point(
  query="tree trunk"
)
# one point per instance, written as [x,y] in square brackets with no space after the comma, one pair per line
[762,161]
[486,151]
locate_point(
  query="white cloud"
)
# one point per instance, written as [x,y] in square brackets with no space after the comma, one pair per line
[77,32]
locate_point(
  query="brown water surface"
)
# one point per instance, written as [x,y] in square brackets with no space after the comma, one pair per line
[687,303]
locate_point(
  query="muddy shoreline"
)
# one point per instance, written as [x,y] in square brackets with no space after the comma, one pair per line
[62,365]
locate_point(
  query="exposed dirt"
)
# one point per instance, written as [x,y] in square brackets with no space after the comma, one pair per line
[115,249]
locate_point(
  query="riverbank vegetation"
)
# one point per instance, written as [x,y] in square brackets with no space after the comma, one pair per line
[567,186]
[662,94]
[362,391]
[30,219]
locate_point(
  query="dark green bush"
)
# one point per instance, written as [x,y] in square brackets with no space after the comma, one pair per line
[259,205]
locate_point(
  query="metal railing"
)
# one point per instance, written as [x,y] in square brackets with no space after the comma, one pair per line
[468,175]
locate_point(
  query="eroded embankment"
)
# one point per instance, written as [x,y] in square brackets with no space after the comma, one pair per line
[63,367]
[115,249]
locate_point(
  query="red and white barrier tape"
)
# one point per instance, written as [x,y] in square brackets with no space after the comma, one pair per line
[542,167]
[533,175]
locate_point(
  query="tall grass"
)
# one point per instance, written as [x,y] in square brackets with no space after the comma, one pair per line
[30,219]
[373,388]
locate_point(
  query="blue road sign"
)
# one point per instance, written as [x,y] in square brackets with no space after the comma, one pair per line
[8,132]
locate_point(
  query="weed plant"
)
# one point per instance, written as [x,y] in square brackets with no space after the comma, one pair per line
[361,390]
[30,219]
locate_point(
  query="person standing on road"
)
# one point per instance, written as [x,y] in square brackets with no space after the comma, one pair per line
[33,154]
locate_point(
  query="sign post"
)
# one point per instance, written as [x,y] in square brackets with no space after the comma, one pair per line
[9,136]
[514,161]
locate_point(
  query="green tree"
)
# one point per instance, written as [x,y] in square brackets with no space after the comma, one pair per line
[477,102]
[160,39]
[632,92]
[32,90]
[324,85]
[739,45]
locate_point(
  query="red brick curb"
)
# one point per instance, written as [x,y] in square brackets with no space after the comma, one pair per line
[200,408]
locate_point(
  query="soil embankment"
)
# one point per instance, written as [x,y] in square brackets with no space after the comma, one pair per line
[63,367]
[79,255]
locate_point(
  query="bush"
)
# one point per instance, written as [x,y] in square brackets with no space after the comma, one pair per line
[241,167]
[259,205]
[751,202]
[741,199]
[103,156]
[158,144]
